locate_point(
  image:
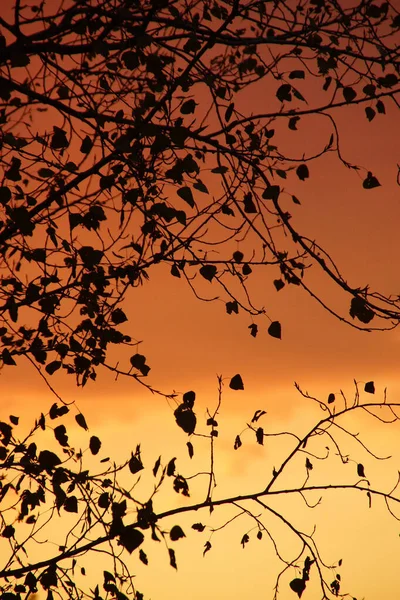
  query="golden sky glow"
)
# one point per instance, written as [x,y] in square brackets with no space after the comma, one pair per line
[188,343]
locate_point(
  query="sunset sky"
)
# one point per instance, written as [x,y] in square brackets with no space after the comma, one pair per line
[188,343]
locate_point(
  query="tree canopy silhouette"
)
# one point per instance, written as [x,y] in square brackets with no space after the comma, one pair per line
[131,137]
[141,133]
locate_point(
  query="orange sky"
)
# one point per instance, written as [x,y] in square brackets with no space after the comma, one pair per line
[187,343]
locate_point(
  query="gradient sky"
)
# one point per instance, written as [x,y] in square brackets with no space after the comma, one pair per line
[188,343]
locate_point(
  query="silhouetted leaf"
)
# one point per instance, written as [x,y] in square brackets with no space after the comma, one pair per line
[302,172]
[349,94]
[309,465]
[86,145]
[172,558]
[80,419]
[293,124]
[207,547]
[245,539]
[143,558]
[176,533]
[360,470]
[238,442]
[260,436]
[275,330]
[208,272]
[232,307]
[253,329]
[188,107]
[369,113]
[279,284]
[370,182]
[185,419]
[138,361]
[59,139]
[249,206]
[284,93]
[369,387]
[171,467]
[189,398]
[331,398]
[175,271]
[71,504]
[360,310]
[380,107]
[135,464]
[186,194]
[94,445]
[130,538]
[229,111]
[190,449]
[298,586]
[297,74]
[48,460]
[246,269]
[271,193]
[53,367]
[198,527]
[118,316]
[8,532]
[236,383]
[238,256]
[61,436]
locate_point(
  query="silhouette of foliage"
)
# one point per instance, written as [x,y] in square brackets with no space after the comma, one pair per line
[125,143]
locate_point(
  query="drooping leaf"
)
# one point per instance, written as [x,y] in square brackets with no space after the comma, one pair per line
[238,442]
[253,329]
[80,419]
[284,93]
[271,193]
[360,310]
[190,449]
[360,470]
[331,398]
[138,361]
[245,539]
[207,547]
[369,387]
[94,445]
[186,194]
[302,172]
[189,398]
[309,465]
[279,284]
[130,538]
[71,504]
[229,112]
[208,272]
[297,74]
[185,419]
[172,558]
[298,586]
[349,94]
[370,182]
[275,330]
[236,383]
[198,527]
[260,436]
[61,436]
[53,367]
[176,533]
[135,464]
